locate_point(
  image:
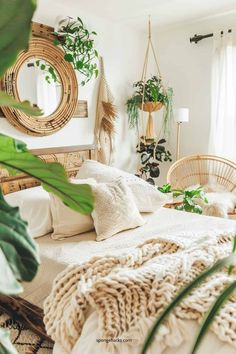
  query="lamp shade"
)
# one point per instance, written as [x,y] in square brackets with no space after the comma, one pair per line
[181,115]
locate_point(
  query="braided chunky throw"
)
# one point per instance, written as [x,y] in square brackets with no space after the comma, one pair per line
[124,289]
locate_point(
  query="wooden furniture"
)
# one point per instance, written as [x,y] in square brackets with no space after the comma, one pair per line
[204,170]
[71,157]
[36,73]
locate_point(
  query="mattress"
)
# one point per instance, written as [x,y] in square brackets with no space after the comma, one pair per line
[56,255]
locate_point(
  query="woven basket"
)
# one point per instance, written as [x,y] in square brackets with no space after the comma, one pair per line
[150,106]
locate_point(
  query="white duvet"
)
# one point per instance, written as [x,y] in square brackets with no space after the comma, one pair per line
[163,222]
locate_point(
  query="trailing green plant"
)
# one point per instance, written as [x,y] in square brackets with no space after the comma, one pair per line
[19,259]
[50,73]
[78,44]
[230,262]
[151,91]
[151,156]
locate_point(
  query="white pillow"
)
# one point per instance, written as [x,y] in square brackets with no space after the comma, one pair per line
[115,209]
[146,196]
[34,204]
[67,222]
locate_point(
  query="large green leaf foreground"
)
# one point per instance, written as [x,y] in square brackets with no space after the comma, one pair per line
[16,159]
[15,29]
[18,251]
[25,106]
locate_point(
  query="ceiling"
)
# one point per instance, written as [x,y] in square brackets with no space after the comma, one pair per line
[165,13]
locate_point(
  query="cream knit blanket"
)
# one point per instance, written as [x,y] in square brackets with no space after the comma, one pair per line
[124,289]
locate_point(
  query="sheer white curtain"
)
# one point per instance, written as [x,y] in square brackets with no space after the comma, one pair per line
[223,97]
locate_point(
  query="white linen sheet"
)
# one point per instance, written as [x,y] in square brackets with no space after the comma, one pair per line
[82,247]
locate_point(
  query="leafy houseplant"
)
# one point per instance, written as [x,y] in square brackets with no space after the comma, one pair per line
[191,198]
[151,155]
[150,96]
[78,44]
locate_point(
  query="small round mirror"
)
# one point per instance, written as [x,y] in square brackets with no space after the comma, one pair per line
[39,83]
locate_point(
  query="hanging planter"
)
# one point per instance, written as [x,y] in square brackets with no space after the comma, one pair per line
[150,106]
[150,96]
[78,44]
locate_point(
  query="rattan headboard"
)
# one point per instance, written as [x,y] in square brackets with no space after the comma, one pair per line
[71,157]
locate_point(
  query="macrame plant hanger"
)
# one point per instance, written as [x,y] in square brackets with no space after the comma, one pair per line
[148,133]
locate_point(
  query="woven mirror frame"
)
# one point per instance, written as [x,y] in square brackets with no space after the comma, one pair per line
[43,49]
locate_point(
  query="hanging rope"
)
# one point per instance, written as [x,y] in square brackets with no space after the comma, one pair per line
[150,47]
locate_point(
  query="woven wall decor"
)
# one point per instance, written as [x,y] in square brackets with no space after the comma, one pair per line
[43,49]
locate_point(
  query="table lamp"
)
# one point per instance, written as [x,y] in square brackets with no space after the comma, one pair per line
[181,115]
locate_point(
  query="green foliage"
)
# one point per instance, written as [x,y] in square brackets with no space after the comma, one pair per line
[9,101]
[78,45]
[190,199]
[151,154]
[15,28]
[166,188]
[18,252]
[15,158]
[184,292]
[15,19]
[151,91]
[50,73]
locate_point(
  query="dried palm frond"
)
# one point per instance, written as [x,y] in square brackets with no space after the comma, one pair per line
[109,117]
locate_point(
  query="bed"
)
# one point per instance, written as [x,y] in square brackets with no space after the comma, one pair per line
[58,255]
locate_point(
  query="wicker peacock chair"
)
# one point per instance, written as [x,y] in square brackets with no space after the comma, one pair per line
[203,170]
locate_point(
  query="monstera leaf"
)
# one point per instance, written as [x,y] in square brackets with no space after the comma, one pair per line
[16,159]
[15,28]
[18,252]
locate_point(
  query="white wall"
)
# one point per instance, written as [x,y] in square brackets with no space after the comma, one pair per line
[187,68]
[120,47]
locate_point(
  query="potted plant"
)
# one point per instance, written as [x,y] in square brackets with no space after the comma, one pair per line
[151,156]
[150,96]
[78,44]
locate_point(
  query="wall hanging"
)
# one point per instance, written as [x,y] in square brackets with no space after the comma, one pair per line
[150,96]
[105,120]
[41,76]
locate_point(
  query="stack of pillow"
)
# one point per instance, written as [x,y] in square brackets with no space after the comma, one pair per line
[119,196]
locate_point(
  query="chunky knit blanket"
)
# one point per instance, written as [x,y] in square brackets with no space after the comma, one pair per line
[124,289]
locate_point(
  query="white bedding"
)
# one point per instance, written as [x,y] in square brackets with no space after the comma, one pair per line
[81,248]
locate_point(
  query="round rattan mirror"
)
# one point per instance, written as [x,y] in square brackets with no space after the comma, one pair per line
[41,76]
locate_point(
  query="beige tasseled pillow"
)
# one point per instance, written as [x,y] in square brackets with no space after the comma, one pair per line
[115,209]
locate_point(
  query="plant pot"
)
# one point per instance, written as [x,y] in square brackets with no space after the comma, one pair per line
[150,106]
